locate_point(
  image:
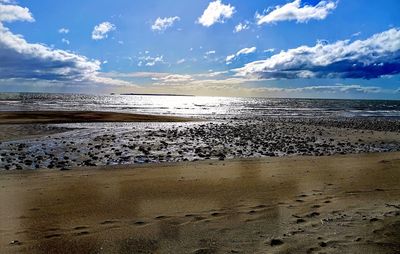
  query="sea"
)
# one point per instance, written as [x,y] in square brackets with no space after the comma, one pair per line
[201,106]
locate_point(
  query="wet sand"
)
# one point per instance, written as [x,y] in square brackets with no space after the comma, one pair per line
[31,117]
[97,144]
[328,204]
[15,132]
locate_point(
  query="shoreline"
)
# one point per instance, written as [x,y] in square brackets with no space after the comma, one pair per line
[57,117]
[310,204]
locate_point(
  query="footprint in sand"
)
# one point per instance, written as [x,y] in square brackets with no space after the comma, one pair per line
[106,222]
[189,215]
[52,236]
[80,227]
[139,223]
[215,214]
[161,217]
[82,233]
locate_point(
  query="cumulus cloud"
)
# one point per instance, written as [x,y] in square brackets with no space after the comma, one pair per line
[374,57]
[241,27]
[63,30]
[21,59]
[161,24]
[10,13]
[294,11]
[34,62]
[216,12]
[101,30]
[244,51]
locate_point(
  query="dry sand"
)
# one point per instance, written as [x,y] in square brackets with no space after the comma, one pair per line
[30,117]
[337,204]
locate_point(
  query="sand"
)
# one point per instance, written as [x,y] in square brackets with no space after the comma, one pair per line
[30,117]
[95,144]
[328,204]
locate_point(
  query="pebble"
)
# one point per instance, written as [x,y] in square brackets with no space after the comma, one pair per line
[191,142]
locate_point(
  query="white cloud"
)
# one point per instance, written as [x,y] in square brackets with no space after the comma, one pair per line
[181,61]
[244,51]
[338,88]
[10,13]
[150,61]
[270,50]
[63,40]
[374,57]
[211,52]
[174,79]
[161,24]
[294,11]
[36,63]
[216,12]
[229,58]
[63,30]
[26,60]
[7,1]
[241,27]
[101,30]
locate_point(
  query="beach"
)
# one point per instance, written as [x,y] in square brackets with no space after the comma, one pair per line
[200,127]
[328,204]
[106,182]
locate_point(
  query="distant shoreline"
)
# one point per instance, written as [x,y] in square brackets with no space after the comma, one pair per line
[154,94]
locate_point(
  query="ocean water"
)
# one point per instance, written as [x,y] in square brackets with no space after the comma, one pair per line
[202,107]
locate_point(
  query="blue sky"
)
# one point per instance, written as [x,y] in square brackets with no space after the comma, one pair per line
[276,48]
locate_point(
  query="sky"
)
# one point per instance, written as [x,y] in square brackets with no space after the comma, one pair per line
[264,48]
